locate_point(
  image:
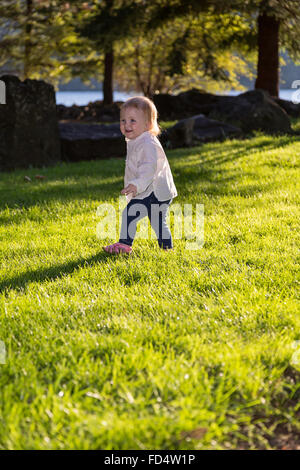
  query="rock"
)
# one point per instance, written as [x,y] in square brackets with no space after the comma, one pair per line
[93,111]
[290,108]
[91,141]
[253,110]
[28,125]
[197,129]
[185,104]
[69,112]
[168,107]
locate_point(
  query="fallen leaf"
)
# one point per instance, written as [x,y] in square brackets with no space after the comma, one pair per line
[197,433]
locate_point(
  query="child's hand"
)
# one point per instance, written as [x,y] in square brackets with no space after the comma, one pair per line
[131,188]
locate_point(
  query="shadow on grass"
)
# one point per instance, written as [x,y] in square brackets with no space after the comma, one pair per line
[53,273]
[16,194]
[63,192]
[235,149]
[206,169]
[212,186]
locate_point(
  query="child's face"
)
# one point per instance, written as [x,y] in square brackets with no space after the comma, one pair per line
[133,122]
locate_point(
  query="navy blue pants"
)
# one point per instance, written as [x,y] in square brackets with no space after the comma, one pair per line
[156,210]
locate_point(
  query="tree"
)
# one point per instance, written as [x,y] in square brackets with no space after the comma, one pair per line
[37,40]
[277,25]
[180,55]
[163,58]
[109,23]
[268,53]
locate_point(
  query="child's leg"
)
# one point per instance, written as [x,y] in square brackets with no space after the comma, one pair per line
[135,210]
[157,215]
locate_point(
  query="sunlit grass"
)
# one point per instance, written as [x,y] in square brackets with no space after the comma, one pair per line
[121,352]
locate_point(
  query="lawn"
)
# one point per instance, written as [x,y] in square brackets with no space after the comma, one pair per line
[158,350]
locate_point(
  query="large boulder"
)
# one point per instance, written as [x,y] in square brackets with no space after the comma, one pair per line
[185,104]
[29,133]
[253,110]
[169,107]
[195,130]
[292,109]
[91,141]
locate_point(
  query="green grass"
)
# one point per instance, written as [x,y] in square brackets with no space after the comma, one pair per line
[116,352]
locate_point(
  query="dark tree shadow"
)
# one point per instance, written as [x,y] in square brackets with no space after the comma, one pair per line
[204,169]
[53,272]
[27,196]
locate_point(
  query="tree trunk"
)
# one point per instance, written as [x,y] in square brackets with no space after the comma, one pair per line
[108,77]
[268,54]
[27,47]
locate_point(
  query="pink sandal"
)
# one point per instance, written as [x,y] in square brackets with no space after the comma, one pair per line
[118,248]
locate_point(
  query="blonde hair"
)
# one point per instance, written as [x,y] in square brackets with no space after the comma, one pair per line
[148,108]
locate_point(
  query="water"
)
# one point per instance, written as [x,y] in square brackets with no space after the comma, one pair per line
[68,98]
[283,94]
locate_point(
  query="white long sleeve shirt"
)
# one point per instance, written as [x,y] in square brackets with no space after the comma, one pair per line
[147,167]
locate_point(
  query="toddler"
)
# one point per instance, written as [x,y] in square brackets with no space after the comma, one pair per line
[148,183]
